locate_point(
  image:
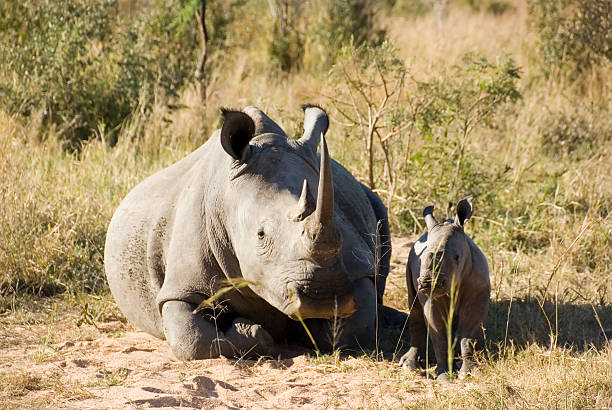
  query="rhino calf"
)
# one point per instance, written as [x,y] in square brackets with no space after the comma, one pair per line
[448,285]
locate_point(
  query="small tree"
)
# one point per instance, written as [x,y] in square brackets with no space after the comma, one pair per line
[368,84]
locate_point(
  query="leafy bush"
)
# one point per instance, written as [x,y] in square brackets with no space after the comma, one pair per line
[72,62]
[342,22]
[573,32]
[313,33]
[491,6]
[576,133]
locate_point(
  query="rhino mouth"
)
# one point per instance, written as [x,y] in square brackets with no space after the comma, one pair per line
[318,304]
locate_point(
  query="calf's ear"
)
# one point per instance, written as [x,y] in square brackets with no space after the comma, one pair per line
[430,220]
[464,211]
[236,132]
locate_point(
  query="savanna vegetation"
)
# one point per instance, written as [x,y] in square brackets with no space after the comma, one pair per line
[507,101]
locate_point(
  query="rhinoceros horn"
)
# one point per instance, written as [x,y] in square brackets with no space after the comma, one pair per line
[315,125]
[306,204]
[320,225]
[324,212]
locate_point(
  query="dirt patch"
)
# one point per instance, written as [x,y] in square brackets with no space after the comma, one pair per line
[46,360]
[138,370]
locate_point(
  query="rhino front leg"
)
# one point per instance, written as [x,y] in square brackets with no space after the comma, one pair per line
[472,318]
[436,313]
[418,338]
[192,337]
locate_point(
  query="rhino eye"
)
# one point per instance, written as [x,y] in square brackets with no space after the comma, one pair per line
[261,234]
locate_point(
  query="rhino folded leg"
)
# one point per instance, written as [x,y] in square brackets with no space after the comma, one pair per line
[391,318]
[359,330]
[192,337]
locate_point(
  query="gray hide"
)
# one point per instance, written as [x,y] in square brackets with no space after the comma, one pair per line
[444,267]
[251,205]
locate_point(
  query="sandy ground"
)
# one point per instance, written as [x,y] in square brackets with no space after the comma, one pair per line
[109,364]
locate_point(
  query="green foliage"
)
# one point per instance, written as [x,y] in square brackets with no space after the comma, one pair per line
[409,7]
[313,33]
[286,46]
[491,6]
[342,22]
[416,134]
[71,61]
[573,33]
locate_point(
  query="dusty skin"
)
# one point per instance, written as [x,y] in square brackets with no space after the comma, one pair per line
[112,365]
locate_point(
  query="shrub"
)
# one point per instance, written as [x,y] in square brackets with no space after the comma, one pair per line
[415,135]
[72,62]
[313,33]
[574,33]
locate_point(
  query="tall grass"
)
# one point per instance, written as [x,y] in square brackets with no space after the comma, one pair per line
[539,167]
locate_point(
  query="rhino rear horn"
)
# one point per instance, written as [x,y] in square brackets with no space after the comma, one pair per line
[316,123]
[464,211]
[306,204]
[430,220]
[236,132]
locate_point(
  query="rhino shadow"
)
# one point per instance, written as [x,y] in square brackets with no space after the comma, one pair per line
[574,325]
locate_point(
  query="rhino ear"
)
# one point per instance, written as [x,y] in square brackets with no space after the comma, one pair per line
[263,123]
[316,123]
[464,211]
[236,132]
[430,220]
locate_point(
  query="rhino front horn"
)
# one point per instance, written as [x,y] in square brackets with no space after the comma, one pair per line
[325,198]
[320,225]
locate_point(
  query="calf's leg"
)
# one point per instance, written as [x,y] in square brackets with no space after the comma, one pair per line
[436,312]
[418,337]
[473,315]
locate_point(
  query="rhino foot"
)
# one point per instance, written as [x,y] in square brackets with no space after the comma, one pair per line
[248,338]
[468,369]
[192,337]
[410,360]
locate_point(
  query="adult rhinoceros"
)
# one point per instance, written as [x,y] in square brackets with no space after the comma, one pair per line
[251,205]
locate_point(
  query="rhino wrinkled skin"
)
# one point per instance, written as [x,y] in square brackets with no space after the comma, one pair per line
[251,205]
[442,261]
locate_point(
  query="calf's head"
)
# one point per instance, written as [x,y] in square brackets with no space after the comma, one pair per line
[279,210]
[447,253]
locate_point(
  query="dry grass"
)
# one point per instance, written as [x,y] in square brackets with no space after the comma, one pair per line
[545,228]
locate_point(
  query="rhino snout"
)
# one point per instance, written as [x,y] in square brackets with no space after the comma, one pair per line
[427,284]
